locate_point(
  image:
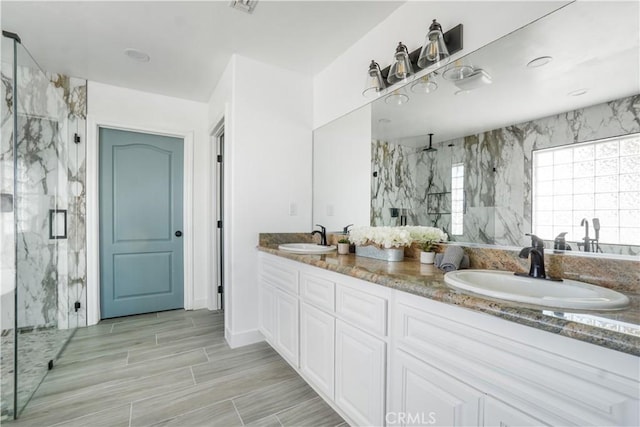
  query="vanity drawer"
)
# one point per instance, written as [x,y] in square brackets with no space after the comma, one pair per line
[280,275]
[363,309]
[318,291]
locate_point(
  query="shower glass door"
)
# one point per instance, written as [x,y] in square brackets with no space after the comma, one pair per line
[35,225]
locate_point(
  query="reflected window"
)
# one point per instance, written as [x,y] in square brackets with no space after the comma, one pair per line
[457,199]
[593,180]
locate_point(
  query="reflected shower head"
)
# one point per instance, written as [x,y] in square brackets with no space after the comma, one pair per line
[430,148]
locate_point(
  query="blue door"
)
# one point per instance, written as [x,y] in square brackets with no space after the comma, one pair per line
[141,251]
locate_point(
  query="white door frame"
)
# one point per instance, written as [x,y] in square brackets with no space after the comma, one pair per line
[93,220]
[214,135]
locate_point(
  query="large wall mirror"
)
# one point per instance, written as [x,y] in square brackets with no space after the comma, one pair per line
[542,135]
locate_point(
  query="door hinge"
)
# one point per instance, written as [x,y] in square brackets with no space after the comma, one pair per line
[76,138]
[219,158]
[219,224]
[220,289]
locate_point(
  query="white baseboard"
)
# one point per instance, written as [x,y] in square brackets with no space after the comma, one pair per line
[240,339]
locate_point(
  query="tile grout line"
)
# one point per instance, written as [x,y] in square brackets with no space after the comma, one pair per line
[127,361]
[193,376]
[111,330]
[295,406]
[237,412]
[130,413]
[278,419]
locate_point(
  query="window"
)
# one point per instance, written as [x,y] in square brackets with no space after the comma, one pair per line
[593,180]
[457,199]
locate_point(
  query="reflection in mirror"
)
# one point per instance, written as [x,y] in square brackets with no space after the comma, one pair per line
[554,82]
[341,168]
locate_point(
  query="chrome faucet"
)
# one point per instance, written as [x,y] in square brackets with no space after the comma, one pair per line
[323,234]
[536,251]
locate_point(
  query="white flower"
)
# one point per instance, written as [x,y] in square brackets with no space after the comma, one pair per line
[386,237]
[427,236]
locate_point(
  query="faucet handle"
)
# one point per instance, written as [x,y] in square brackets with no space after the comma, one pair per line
[536,242]
[345,230]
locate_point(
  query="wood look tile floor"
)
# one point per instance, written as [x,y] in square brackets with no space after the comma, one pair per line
[171,368]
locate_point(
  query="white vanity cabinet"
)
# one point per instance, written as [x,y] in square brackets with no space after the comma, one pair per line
[360,374]
[317,347]
[385,357]
[279,309]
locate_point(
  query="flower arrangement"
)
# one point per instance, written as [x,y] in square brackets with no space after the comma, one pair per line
[383,237]
[427,237]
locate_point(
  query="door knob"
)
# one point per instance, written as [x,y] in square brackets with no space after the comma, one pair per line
[178,233]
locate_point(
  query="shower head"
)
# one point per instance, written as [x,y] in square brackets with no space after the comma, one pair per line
[430,148]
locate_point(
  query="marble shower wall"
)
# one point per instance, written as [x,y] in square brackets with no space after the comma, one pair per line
[497,167]
[50,175]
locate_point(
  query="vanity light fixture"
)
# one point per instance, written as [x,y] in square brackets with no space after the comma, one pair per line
[404,62]
[425,84]
[396,98]
[539,62]
[457,71]
[435,49]
[375,83]
[401,68]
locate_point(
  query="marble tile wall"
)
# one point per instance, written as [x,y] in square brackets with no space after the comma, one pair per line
[497,167]
[51,108]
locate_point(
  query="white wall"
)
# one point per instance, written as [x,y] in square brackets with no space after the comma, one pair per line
[151,112]
[268,115]
[337,89]
[341,159]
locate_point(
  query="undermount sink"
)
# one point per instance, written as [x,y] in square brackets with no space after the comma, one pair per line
[306,248]
[505,285]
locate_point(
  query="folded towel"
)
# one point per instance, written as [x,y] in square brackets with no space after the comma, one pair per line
[465,263]
[452,258]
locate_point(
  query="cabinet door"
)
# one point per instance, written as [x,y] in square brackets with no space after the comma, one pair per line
[423,395]
[267,311]
[286,336]
[499,414]
[317,347]
[360,375]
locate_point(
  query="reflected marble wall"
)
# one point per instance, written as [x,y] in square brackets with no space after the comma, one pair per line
[497,168]
[51,174]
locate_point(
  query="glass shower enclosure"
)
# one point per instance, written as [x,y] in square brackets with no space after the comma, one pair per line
[39,230]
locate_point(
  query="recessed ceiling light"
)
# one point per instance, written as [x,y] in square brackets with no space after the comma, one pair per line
[136,54]
[539,62]
[578,92]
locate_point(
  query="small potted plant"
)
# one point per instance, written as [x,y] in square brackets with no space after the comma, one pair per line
[343,246]
[427,238]
[427,256]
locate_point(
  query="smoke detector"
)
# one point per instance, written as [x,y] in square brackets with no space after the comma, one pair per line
[244,5]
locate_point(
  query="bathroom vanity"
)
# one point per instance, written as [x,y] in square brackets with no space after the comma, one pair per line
[390,344]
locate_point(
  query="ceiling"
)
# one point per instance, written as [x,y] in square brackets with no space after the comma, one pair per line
[189,43]
[594,46]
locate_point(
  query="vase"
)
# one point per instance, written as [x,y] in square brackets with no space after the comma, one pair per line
[384,254]
[427,257]
[343,248]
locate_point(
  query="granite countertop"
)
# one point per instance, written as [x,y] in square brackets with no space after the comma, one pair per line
[616,330]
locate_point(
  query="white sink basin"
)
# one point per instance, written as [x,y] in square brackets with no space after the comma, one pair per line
[566,294]
[306,248]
